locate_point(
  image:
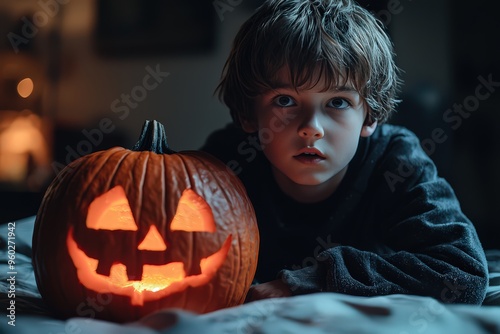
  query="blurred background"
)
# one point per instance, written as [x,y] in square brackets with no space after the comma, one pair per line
[78,76]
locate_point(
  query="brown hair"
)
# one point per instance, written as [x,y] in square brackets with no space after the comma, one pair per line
[338,37]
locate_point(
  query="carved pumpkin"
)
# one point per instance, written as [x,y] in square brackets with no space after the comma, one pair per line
[122,233]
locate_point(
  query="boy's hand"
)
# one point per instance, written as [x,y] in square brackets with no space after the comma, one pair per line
[272,289]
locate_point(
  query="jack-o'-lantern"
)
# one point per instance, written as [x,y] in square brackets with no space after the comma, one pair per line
[122,233]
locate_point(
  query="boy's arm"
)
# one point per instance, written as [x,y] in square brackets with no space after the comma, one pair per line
[443,261]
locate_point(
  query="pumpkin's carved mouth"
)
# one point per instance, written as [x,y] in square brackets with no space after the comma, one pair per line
[157,281]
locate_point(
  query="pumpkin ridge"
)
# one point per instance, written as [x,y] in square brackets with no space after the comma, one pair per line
[116,168]
[240,237]
[192,183]
[90,161]
[192,237]
[174,160]
[136,210]
[236,250]
[243,232]
[163,195]
[237,264]
[185,163]
[192,161]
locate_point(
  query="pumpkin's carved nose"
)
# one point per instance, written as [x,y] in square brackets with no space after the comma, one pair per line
[153,241]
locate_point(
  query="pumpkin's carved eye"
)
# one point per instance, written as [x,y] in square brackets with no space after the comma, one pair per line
[111,211]
[193,214]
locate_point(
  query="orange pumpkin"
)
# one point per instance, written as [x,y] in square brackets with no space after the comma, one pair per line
[122,233]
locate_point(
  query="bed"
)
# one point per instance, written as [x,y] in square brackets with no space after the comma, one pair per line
[314,313]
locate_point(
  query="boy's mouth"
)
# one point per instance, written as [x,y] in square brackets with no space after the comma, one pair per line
[310,155]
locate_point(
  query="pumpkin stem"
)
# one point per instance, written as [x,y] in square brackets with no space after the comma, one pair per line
[153,138]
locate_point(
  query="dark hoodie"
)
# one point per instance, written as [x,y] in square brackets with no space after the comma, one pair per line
[392,226]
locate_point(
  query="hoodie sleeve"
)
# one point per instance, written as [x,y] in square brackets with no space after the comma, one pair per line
[425,245]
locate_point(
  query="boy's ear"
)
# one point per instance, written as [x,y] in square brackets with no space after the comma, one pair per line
[369,126]
[249,126]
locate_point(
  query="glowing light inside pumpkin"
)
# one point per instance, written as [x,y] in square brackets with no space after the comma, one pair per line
[111,211]
[25,87]
[153,241]
[157,281]
[193,214]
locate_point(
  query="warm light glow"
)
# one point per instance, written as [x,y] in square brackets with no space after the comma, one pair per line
[157,281]
[25,87]
[22,143]
[153,241]
[193,214]
[111,211]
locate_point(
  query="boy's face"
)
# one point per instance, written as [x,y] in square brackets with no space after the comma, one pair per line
[309,135]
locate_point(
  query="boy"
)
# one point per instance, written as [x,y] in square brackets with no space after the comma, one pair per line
[344,202]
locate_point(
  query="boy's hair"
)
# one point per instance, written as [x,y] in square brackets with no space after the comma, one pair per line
[338,37]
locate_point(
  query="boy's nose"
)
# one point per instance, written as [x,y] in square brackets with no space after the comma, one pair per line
[311,128]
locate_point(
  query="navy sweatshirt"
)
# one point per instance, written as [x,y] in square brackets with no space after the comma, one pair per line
[392,226]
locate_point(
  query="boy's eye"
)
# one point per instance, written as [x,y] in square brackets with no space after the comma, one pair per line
[338,103]
[284,101]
